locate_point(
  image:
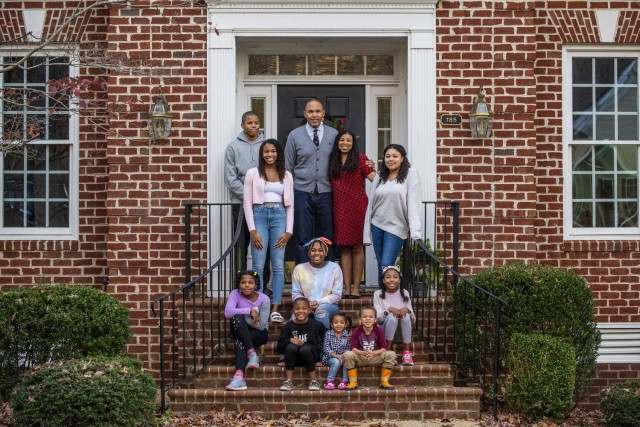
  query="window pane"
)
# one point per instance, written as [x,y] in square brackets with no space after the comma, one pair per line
[582,214]
[582,127]
[627,158]
[59,186]
[582,187]
[292,65]
[36,214]
[351,65]
[380,65]
[37,186]
[13,186]
[582,99]
[13,214]
[604,186]
[37,71]
[581,157]
[605,99]
[627,127]
[605,127]
[384,113]
[582,70]
[604,157]
[37,158]
[58,68]
[257,106]
[628,99]
[59,157]
[320,65]
[605,214]
[627,70]
[605,70]
[58,214]
[628,186]
[627,214]
[58,126]
[262,65]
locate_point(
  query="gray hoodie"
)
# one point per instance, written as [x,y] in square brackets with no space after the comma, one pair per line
[240,156]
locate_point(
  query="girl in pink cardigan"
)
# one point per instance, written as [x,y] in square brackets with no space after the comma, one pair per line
[268,208]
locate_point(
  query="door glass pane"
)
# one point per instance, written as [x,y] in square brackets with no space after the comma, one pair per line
[292,65]
[263,65]
[351,65]
[322,65]
[257,106]
[384,125]
[380,65]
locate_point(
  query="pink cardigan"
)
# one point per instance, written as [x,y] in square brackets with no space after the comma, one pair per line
[254,195]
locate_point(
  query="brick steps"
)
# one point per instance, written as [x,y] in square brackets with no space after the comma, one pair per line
[424,391]
[427,374]
[415,403]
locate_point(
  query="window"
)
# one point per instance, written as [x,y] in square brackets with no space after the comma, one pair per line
[601,133]
[321,65]
[39,189]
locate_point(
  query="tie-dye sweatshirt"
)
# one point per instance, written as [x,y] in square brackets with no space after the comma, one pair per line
[323,285]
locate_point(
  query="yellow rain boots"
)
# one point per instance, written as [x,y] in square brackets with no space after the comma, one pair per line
[385,374]
[353,379]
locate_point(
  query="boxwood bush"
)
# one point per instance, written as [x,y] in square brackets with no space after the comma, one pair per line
[86,392]
[542,372]
[540,300]
[53,322]
[620,404]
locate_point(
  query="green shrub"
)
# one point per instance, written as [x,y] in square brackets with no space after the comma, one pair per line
[47,323]
[620,404]
[540,300]
[542,372]
[86,392]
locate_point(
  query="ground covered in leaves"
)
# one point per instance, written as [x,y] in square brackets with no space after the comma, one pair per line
[578,418]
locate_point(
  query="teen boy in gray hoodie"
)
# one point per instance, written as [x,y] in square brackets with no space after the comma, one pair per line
[240,156]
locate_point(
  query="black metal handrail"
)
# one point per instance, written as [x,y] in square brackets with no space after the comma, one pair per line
[193,329]
[453,315]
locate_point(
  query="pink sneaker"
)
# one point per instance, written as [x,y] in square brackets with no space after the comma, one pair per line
[342,385]
[407,358]
[329,385]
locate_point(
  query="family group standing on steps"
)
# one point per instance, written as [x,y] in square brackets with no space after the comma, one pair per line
[316,187]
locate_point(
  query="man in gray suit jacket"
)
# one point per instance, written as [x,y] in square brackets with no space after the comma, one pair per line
[307,158]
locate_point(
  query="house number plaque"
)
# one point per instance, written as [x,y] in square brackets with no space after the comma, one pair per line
[451,119]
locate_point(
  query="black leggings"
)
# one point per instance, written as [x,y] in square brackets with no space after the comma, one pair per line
[299,356]
[245,337]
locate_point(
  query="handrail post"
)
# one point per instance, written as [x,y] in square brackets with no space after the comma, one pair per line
[162,381]
[496,360]
[188,209]
[406,259]
[455,207]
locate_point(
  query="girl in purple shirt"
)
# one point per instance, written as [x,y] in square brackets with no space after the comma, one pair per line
[248,310]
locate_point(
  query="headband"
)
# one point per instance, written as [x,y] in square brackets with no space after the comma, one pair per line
[318,239]
[391,267]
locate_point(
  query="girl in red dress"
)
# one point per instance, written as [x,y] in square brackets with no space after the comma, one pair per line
[348,170]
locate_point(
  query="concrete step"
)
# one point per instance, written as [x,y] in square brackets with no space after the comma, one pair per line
[413,402]
[269,376]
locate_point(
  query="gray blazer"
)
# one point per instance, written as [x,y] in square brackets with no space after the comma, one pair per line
[309,165]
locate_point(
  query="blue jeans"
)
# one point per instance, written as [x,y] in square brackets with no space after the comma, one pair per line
[386,246]
[271,222]
[334,366]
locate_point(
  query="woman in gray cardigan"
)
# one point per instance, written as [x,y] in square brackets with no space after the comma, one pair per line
[394,205]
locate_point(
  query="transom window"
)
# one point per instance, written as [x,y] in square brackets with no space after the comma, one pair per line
[321,65]
[38,178]
[603,144]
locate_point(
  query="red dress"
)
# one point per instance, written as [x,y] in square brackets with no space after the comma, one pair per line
[350,204]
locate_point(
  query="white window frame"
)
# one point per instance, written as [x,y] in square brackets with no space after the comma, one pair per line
[50,233]
[595,233]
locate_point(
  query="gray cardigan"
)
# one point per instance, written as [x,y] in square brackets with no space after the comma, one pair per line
[309,165]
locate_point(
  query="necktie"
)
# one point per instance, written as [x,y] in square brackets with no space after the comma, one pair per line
[315,137]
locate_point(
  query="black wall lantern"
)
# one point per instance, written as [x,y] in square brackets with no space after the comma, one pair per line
[159,118]
[481,117]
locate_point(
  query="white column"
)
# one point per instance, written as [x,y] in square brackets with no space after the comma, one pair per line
[421,98]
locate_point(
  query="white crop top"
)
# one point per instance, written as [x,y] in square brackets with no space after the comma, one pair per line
[273,192]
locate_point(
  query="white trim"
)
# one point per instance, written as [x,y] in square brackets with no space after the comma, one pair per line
[607,20]
[54,233]
[620,342]
[568,53]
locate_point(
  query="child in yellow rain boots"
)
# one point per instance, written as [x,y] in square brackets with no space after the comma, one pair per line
[369,348]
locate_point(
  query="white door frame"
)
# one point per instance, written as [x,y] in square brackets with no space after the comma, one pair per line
[413,20]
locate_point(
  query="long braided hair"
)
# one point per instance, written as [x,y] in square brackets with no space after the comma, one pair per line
[335,158]
[404,167]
